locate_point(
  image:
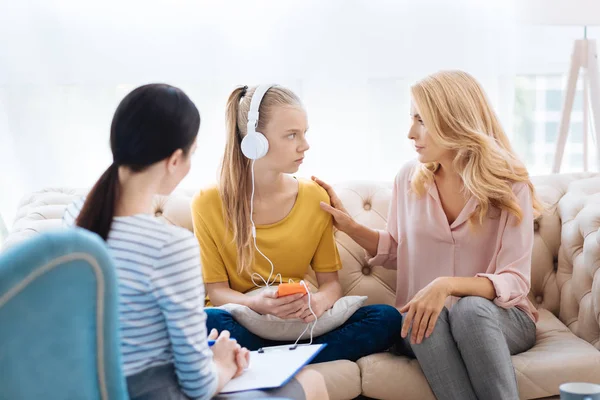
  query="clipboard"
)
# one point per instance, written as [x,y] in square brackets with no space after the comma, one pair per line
[272,367]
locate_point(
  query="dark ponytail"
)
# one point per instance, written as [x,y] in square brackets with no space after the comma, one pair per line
[149,125]
[99,208]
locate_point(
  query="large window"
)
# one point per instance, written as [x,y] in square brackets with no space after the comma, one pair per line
[537,114]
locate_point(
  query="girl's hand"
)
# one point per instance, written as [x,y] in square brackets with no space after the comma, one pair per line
[318,306]
[286,307]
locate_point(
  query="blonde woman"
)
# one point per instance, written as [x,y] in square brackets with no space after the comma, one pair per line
[291,230]
[460,234]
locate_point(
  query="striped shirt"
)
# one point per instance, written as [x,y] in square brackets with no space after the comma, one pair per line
[161,299]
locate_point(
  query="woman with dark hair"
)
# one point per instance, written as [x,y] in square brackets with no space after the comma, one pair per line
[164,346]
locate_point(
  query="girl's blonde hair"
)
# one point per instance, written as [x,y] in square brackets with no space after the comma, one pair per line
[459,117]
[235,186]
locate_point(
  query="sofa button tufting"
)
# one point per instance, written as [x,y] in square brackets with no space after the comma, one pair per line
[539,299]
[366,271]
[367,206]
[158,213]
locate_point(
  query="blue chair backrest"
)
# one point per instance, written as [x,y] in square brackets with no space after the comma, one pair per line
[59,334]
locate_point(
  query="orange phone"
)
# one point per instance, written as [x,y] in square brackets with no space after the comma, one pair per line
[287,289]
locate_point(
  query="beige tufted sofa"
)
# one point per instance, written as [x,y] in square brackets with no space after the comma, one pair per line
[565,285]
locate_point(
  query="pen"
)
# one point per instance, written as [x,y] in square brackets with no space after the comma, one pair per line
[212,342]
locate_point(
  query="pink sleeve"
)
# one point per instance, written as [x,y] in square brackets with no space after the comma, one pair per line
[387,247]
[512,275]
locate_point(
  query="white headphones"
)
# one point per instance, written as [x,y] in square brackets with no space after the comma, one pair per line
[255,145]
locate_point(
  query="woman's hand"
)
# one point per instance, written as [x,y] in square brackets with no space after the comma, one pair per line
[341,219]
[286,307]
[242,360]
[366,237]
[424,309]
[225,351]
[318,305]
[242,356]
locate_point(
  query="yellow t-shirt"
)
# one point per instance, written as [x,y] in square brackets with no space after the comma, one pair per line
[303,238]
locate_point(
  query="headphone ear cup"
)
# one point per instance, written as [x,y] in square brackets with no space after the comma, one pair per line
[255,145]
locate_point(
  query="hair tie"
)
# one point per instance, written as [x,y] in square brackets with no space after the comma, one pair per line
[244,90]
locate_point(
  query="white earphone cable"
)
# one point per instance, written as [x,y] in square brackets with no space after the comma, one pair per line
[268,282]
[314,315]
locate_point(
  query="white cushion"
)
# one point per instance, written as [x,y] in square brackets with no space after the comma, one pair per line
[275,328]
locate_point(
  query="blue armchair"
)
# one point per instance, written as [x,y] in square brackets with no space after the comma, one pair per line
[58,320]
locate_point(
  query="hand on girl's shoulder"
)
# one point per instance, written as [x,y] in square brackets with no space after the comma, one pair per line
[316,192]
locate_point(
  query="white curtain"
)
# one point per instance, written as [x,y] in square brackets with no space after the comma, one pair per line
[65,64]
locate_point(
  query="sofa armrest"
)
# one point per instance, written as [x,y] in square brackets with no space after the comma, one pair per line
[578,274]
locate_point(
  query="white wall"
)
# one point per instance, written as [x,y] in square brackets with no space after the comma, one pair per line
[64,66]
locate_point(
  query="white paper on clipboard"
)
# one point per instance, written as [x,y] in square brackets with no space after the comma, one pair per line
[273,368]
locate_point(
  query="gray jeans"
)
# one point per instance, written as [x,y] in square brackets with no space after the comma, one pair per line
[468,354]
[160,383]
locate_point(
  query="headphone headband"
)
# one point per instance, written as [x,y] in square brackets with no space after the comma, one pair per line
[257,97]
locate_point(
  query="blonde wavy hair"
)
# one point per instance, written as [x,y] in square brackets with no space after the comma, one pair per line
[234,184]
[459,117]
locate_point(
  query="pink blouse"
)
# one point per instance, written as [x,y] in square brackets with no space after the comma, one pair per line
[421,245]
